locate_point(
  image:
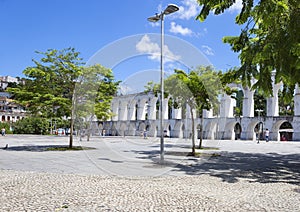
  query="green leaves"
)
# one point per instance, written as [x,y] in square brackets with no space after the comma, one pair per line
[95,89]
[268,41]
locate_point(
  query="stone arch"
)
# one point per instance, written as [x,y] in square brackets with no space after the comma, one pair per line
[131,130]
[157,109]
[177,130]
[136,107]
[170,108]
[185,132]
[238,97]
[237,131]
[167,130]
[210,130]
[141,108]
[115,110]
[131,109]
[114,131]
[275,131]
[286,131]
[141,128]
[100,128]
[229,130]
[251,133]
[198,131]
[122,130]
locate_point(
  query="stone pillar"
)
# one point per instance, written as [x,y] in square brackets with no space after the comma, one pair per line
[131,111]
[296,119]
[152,108]
[166,108]
[115,110]
[248,103]
[122,111]
[177,113]
[272,102]
[188,112]
[227,105]
[297,101]
[141,110]
[208,113]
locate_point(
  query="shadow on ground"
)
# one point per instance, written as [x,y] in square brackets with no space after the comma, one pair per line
[231,166]
[45,148]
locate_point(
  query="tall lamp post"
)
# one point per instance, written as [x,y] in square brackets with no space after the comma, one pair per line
[171,8]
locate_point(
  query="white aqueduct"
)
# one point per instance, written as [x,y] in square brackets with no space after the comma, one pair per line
[137,112]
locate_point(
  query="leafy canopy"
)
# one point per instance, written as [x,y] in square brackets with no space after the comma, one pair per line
[269,40]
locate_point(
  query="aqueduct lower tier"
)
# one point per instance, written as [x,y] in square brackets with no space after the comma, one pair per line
[138,112]
[213,128]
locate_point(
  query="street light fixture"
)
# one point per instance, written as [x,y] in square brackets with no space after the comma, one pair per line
[171,8]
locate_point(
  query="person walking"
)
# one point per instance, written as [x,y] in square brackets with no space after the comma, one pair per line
[267,133]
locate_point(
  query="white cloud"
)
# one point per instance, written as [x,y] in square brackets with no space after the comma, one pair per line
[236,7]
[207,50]
[189,9]
[178,29]
[146,46]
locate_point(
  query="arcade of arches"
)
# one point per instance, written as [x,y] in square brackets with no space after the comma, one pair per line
[138,112]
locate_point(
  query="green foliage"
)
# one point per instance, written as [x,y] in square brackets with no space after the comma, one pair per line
[95,89]
[199,89]
[49,88]
[268,41]
[260,104]
[286,103]
[152,87]
[49,85]
[6,126]
[31,125]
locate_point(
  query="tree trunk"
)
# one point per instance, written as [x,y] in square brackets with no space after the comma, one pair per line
[72,119]
[201,131]
[71,131]
[193,133]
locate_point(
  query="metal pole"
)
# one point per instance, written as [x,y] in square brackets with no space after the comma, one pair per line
[162,153]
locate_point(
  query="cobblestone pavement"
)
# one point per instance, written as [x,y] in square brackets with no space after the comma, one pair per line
[30,191]
[123,174]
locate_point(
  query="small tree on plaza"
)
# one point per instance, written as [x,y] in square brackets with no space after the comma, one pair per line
[199,89]
[94,92]
[50,86]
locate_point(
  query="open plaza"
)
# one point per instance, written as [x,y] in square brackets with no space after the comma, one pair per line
[126,174]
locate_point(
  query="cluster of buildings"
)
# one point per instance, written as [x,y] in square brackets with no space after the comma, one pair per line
[9,110]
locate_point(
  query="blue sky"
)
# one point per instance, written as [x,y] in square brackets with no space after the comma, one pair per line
[91,26]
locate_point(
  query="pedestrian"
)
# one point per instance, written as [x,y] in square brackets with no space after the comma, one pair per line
[145,134]
[267,133]
[3,131]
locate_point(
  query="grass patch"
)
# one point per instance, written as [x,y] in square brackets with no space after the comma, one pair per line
[209,148]
[67,148]
[201,154]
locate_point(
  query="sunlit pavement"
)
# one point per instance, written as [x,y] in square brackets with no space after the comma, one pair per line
[136,156]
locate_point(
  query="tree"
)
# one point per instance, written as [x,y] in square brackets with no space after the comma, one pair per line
[269,40]
[49,88]
[94,92]
[199,89]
